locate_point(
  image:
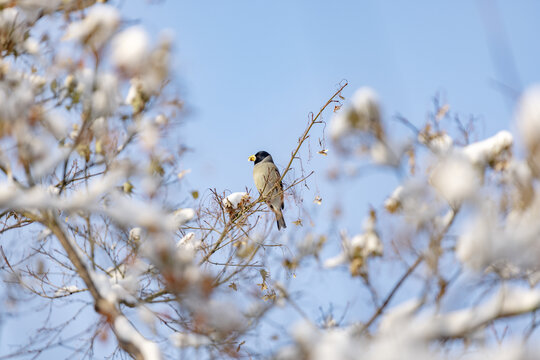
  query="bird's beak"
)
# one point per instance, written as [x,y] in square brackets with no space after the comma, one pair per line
[251,158]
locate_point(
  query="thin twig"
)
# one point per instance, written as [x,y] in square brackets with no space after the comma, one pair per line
[389,297]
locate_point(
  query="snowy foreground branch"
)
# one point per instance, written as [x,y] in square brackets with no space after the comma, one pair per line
[71,149]
[507,302]
[129,338]
[403,334]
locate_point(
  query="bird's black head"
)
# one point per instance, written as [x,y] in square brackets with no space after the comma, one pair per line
[260,156]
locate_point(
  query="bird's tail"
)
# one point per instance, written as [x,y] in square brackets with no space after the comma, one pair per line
[280,220]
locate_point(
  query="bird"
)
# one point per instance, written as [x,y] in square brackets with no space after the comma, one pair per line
[268,181]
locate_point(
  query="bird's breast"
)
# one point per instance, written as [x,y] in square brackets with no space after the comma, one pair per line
[265,176]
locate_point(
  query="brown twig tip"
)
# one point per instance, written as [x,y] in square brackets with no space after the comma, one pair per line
[313,121]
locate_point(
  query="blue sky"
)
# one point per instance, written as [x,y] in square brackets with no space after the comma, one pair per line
[251,71]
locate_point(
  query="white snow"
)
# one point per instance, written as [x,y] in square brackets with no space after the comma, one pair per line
[8,192]
[367,244]
[182,216]
[99,92]
[135,234]
[394,201]
[100,126]
[126,332]
[476,244]
[189,242]
[16,95]
[336,260]
[502,243]
[129,211]
[365,100]
[398,317]
[234,199]
[339,125]
[386,153]
[458,174]
[148,134]
[66,290]
[106,97]
[439,144]
[31,45]
[96,28]
[105,287]
[416,201]
[483,152]
[130,49]
[455,178]
[508,301]
[182,340]
[363,114]
[56,123]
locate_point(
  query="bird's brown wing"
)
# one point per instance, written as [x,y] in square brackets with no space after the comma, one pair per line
[267,181]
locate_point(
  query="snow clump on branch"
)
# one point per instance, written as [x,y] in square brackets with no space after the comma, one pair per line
[359,128]
[96,28]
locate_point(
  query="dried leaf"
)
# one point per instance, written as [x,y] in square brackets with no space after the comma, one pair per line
[356,267]
[156,167]
[324,152]
[84,151]
[443,110]
[54,85]
[264,274]
[127,187]
[321,242]
[269,296]
[298,222]
[372,214]
[290,264]
[195,194]
[239,345]
[263,286]
[233,286]
[99,147]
